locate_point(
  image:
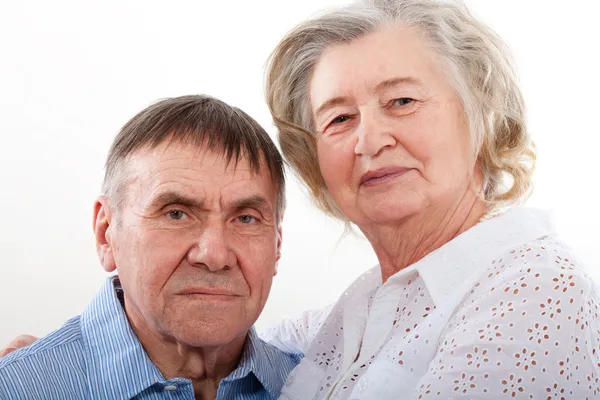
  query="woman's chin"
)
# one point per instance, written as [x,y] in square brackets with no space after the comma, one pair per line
[389,210]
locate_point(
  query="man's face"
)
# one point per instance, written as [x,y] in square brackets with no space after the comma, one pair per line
[195,244]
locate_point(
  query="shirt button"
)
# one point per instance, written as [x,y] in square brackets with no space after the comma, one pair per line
[170,387]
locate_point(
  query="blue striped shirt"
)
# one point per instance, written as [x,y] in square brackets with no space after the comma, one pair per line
[97,356]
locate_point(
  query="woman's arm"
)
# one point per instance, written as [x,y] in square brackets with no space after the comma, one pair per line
[296,334]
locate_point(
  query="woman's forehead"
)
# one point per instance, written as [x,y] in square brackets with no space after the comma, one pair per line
[393,53]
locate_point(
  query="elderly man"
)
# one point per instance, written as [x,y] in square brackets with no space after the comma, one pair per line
[189,219]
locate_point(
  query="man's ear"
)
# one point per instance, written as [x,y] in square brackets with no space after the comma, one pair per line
[279,239]
[103,218]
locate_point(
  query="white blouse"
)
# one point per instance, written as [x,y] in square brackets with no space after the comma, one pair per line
[502,311]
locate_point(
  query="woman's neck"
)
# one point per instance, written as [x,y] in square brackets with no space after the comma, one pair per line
[403,243]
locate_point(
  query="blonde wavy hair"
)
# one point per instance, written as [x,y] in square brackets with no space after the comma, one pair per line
[474,58]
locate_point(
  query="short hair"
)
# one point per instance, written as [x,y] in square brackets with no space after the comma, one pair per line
[196,120]
[474,58]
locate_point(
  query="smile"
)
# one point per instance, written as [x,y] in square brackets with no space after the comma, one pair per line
[382,175]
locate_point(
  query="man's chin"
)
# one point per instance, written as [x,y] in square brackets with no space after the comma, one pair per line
[208,333]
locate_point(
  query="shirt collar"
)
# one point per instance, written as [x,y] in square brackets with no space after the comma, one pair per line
[116,362]
[264,362]
[447,269]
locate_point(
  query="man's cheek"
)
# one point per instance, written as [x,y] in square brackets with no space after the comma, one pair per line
[260,286]
[155,280]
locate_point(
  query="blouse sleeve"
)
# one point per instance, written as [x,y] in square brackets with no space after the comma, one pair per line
[526,331]
[296,334]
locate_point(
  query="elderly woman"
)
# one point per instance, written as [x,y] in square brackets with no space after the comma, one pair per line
[404,118]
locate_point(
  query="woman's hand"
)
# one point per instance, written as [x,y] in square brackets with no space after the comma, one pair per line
[17,343]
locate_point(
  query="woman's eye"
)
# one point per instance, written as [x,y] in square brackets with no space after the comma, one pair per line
[402,101]
[176,214]
[340,119]
[246,219]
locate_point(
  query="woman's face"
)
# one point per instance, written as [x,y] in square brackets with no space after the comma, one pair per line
[392,138]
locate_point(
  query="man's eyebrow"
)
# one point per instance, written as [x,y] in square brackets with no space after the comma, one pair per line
[172,197]
[256,201]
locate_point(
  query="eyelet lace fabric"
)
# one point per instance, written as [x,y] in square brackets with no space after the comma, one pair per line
[503,311]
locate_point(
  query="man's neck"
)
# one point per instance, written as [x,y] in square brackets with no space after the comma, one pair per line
[204,366]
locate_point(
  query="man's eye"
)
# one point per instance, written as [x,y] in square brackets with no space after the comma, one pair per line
[176,214]
[402,101]
[246,219]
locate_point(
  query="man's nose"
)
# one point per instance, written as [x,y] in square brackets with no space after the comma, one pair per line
[211,249]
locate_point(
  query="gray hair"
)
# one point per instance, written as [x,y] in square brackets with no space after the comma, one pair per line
[477,64]
[199,121]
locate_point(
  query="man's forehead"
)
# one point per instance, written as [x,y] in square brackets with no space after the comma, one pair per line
[197,169]
[172,158]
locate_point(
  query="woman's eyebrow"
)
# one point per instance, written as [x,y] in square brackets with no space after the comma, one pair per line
[388,83]
[325,106]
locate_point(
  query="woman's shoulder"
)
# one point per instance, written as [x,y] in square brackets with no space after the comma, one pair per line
[547,260]
[531,318]
[540,273]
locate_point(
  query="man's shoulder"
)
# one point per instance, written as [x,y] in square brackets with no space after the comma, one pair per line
[48,347]
[270,364]
[49,363]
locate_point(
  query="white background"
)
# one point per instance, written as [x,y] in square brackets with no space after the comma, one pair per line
[73,72]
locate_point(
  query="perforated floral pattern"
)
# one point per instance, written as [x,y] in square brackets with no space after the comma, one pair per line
[503,311]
